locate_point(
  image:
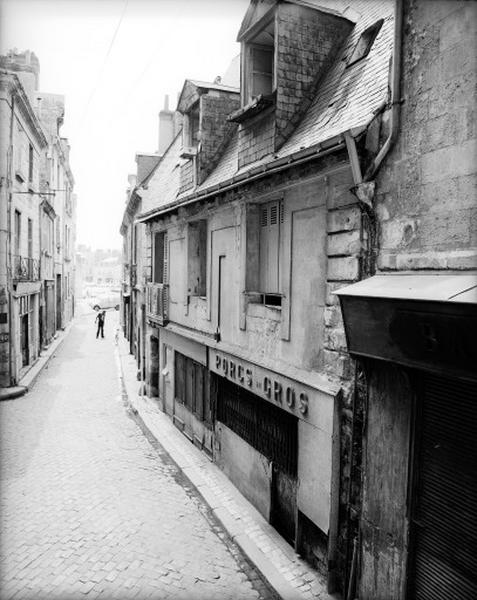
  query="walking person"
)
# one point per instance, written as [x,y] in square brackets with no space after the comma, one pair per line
[100,319]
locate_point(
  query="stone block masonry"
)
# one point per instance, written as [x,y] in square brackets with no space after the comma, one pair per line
[426,191]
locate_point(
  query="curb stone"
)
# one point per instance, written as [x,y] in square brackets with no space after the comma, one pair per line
[278,581]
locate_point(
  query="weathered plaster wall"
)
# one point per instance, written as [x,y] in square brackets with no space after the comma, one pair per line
[426,200]
[249,470]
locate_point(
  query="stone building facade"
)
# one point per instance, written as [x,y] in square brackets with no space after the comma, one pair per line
[37,218]
[261,274]
[415,340]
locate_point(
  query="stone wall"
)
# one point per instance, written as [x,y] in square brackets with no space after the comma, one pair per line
[426,191]
[215,130]
[256,139]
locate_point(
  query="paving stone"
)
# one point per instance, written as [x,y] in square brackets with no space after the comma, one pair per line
[89,509]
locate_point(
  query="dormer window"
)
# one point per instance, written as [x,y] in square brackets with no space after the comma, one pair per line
[365,43]
[261,71]
[190,132]
[193,122]
[258,74]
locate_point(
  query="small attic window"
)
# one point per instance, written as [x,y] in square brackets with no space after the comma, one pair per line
[258,75]
[194,126]
[365,43]
[190,132]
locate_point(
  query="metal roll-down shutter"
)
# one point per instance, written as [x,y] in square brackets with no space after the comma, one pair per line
[443,563]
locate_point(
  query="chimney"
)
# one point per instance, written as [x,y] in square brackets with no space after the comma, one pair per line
[131,181]
[27,67]
[166,127]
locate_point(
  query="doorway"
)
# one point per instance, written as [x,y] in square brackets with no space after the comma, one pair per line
[59,320]
[24,341]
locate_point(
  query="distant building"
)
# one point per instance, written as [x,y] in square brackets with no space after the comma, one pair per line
[37,218]
[98,267]
[134,271]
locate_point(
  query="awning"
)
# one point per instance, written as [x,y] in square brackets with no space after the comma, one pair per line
[421,321]
[439,288]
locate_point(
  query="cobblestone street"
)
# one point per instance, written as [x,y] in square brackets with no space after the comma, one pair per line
[89,508]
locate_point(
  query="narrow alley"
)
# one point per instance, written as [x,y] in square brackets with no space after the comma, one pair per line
[89,507]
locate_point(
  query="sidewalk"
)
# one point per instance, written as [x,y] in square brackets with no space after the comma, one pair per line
[290,576]
[28,380]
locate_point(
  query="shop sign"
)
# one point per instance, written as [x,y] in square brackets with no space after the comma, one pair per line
[285,393]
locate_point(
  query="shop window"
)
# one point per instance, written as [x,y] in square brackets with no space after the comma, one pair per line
[197,257]
[270,234]
[365,43]
[160,257]
[192,387]
[270,430]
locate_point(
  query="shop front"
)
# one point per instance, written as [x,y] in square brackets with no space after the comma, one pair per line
[274,440]
[26,333]
[415,338]
[185,387]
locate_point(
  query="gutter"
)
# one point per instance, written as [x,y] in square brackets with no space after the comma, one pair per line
[276,166]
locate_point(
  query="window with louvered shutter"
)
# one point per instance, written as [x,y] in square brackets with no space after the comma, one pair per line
[271,219]
[160,269]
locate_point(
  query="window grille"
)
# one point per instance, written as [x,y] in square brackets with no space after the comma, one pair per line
[270,430]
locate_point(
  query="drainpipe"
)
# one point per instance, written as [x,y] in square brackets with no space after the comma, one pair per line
[363,189]
[395,92]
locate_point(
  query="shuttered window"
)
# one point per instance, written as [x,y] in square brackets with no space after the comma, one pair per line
[443,562]
[197,257]
[192,387]
[160,257]
[271,220]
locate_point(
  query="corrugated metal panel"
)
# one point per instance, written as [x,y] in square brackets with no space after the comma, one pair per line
[444,523]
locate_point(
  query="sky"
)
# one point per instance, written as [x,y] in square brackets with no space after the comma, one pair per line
[114,61]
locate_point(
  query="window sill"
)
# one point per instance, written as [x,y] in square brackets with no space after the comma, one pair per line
[188,152]
[255,107]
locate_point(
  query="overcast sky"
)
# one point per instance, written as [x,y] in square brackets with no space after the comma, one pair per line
[114,60]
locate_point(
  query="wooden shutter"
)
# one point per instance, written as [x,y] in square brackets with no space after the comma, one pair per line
[165,276]
[271,217]
[444,527]
[160,257]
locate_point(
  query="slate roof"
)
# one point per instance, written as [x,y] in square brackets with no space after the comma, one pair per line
[214,86]
[163,183]
[348,97]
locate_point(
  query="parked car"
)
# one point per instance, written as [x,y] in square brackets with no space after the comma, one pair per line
[109,299]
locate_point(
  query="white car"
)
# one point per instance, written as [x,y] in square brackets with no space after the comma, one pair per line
[109,299]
